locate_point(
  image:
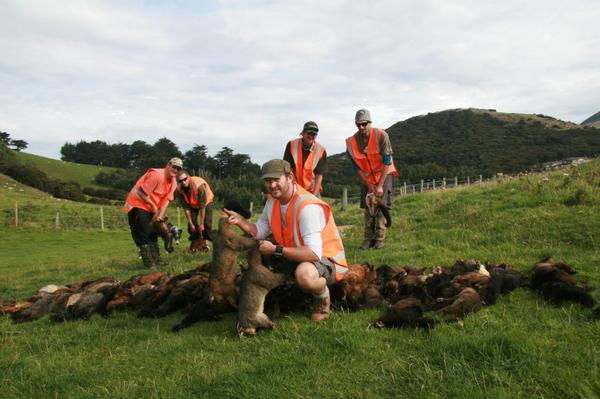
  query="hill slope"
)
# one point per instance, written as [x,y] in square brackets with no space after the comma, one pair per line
[593,120]
[67,171]
[473,142]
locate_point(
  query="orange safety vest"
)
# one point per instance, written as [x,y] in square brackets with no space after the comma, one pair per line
[305,173]
[289,234]
[192,200]
[370,163]
[162,192]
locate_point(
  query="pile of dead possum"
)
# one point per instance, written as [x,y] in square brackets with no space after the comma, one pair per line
[415,297]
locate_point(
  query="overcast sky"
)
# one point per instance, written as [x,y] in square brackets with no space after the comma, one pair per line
[248,74]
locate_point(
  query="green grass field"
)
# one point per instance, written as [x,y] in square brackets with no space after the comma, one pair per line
[67,171]
[518,348]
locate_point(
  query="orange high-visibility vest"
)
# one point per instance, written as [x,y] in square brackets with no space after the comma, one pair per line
[196,183]
[305,173]
[289,235]
[370,163]
[158,195]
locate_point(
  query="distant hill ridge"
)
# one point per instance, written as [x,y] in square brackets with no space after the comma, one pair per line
[470,142]
[593,120]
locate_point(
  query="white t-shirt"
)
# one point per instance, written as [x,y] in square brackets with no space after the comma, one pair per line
[312,222]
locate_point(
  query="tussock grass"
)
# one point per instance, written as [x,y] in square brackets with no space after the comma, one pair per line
[519,348]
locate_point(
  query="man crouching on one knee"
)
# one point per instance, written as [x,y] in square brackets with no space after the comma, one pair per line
[307,242]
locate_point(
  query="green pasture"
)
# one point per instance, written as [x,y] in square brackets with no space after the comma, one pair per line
[518,348]
[67,171]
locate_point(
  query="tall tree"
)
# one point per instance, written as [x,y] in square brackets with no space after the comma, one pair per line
[19,144]
[196,158]
[5,138]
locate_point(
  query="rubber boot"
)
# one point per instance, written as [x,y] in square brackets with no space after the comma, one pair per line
[146,256]
[369,231]
[380,231]
[155,254]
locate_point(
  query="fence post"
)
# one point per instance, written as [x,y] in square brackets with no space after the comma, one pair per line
[405,192]
[421,185]
[480,179]
[443,183]
[344,198]
[413,187]
[57,221]
[251,206]
[455,181]
[102,218]
[433,184]
[468,180]
[16,213]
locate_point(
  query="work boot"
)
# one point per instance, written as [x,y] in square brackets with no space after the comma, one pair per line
[369,231]
[380,230]
[321,308]
[155,254]
[146,256]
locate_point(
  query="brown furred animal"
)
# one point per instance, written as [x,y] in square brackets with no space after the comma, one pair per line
[256,283]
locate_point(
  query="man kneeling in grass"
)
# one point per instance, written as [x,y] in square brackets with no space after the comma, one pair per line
[307,243]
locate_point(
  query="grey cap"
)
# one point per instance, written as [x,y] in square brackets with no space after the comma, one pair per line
[363,115]
[310,126]
[176,162]
[275,168]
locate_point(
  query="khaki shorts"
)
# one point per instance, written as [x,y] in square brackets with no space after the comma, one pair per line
[324,267]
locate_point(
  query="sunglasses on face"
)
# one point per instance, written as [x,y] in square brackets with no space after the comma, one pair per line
[184,179]
[362,124]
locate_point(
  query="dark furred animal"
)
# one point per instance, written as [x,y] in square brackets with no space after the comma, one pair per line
[349,292]
[407,312]
[162,229]
[221,294]
[465,302]
[557,292]
[256,283]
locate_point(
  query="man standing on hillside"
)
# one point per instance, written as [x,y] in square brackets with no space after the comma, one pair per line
[307,243]
[308,159]
[371,154]
[196,198]
[146,203]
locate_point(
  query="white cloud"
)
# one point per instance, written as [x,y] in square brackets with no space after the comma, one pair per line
[248,74]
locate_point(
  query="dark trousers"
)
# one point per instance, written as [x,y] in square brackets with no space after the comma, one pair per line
[208,216]
[141,229]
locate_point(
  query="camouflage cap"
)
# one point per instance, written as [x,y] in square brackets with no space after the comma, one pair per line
[176,162]
[275,168]
[362,115]
[310,126]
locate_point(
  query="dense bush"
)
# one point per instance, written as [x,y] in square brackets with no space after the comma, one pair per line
[111,194]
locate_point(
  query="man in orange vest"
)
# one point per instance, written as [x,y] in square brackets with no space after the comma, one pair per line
[371,154]
[196,198]
[306,240]
[308,159]
[146,203]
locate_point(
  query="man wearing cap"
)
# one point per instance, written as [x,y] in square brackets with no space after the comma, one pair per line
[146,203]
[196,198]
[371,154]
[308,159]
[307,243]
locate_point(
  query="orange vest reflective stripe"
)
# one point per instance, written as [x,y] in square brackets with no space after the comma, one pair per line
[161,193]
[195,183]
[289,235]
[370,163]
[305,173]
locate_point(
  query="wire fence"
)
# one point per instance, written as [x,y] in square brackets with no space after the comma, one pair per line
[66,216]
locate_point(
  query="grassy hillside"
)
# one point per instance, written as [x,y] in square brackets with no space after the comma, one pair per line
[38,210]
[521,347]
[68,171]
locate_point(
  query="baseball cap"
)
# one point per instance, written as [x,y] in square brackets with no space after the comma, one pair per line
[275,168]
[363,115]
[310,126]
[176,162]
